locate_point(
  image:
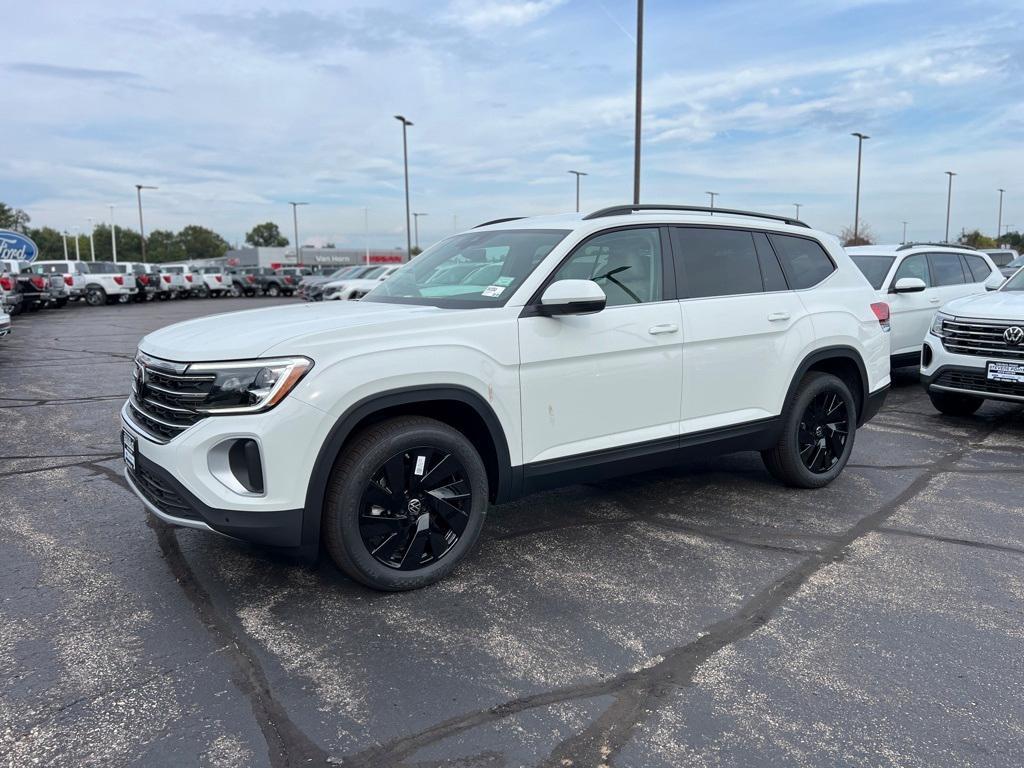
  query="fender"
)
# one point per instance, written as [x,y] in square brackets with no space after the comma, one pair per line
[830,353]
[342,429]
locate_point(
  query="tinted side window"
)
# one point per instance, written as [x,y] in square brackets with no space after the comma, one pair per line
[626,264]
[913,266]
[715,262]
[771,270]
[804,261]
[946,269]
[979,269]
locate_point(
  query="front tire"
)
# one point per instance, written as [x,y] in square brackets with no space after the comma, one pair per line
[405,503]
[818,430]
[953,404]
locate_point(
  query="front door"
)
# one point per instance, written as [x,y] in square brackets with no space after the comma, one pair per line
[911,313]
[613,378]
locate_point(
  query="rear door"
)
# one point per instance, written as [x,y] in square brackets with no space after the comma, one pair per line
[950,280]
[741,325]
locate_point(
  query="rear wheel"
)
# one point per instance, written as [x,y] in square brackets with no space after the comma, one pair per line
[952,404]
[273,290]
[405,503]
[203,292]
[817,433]
[95,296]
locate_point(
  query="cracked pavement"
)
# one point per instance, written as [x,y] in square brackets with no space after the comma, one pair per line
[703,616]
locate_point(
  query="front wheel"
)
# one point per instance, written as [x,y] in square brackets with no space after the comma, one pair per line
[953,404]
[818,430]
[405,503]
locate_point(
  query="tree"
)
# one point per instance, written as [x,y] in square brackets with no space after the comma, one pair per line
[13,218]
[51,243]
[202,243]
[163,245]
[864,235]
[266,234]
[976,240]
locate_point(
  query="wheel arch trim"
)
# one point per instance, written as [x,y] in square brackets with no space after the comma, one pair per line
[835,352]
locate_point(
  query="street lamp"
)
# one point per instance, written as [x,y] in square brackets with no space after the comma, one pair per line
[416,220]
[949,202]
[78,256]
[904,240]
[113,234]
[798,206]
[856,204]
[64,235]
[92,243]
[712,195]
[999,226]
[295,222]
[578,174]
[405,159]
[142,231]
[639,98]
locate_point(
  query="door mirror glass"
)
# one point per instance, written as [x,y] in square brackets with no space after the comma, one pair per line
[994,282]
[572,297]
[909,285]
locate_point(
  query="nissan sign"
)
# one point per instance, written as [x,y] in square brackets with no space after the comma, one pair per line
[17,247]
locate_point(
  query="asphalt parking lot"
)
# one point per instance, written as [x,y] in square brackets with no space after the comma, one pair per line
[702,616]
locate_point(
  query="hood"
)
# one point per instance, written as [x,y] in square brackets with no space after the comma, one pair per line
[250,333]
[994,305]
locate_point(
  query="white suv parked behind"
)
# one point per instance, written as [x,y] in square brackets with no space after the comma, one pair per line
[602,344]
[974,350]
[918,278]
[344,290]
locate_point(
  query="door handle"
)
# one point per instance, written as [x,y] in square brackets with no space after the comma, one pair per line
[775,316]
[654,330]
[934,300]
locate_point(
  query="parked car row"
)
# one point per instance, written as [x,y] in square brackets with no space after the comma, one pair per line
[346,283]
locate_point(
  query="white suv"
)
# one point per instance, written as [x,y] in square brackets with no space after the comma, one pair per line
[918,278]
[974,351]
[345,289]
[602,344]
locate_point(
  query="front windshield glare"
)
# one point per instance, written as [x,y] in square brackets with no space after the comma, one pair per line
[475,269]
[1015,283]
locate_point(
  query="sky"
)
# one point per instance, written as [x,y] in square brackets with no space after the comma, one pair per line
[233,109]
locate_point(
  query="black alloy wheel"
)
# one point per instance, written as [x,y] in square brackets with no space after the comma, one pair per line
[95,296]
[415,508]
[824,428]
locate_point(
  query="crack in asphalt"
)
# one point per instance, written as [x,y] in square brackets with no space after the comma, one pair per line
[85,464]
[26,403]
[952,540]
[637,694]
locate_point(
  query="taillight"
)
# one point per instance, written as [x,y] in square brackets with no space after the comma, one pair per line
[250,279]
[167,278]
[68,280]
[6,283]
[189,278]
[144,279]
[38,282]
[881,310]
[119,279]
[288,279]
[218,278]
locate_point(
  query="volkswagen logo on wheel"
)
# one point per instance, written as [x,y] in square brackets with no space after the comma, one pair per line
[1013,335]
[415,506]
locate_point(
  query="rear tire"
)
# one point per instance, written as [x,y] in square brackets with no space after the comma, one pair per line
[203,293]
[818,430]
[405,503]
[95,296]
[953,404]
[273,290]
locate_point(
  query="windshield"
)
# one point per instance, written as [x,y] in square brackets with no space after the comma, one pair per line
[475,269]
[104,268]
[1016,263]
[875,268]
[1015,283]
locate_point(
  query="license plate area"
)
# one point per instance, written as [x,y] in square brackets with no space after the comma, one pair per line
[1010,373]
[130,445]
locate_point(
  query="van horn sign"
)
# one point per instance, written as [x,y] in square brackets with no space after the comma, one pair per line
[17,247]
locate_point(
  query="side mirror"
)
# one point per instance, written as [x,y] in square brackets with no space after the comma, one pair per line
[572,297]
[909,285]
[994,282]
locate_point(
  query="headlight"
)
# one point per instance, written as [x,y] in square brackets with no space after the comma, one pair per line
[250,386]
[937,324]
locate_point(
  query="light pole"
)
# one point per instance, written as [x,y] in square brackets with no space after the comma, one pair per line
[999,226]
[113,234]
[856,204]
[366,233]
[78,255]
[577,174]
[639,98]
[798,206]
[949,202]
[295,222]
[712,195]
[92,243]
[405,160]
[64,235]
[904,240]
[142,231]
[416,220]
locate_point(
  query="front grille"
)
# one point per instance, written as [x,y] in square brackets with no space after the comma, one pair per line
[161,495]
[978,382]
[163,403]
[981,338]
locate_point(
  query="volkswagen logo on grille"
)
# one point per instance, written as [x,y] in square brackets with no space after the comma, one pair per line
[415,506]
[1013,335]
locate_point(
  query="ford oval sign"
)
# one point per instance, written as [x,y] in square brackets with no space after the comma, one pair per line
[17,247]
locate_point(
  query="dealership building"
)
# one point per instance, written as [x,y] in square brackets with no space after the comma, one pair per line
[310,257]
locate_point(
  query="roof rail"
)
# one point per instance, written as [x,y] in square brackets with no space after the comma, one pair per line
[499,221]
[905,246]
[618,210]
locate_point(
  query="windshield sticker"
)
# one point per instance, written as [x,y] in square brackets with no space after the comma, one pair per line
[505,280]
[493,290]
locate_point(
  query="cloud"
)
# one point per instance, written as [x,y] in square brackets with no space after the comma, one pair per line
[73,73]
[481,15]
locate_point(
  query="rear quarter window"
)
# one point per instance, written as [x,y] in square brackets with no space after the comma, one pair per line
[803,260]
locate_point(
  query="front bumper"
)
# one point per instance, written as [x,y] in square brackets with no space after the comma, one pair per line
[5,329]
[965,374]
